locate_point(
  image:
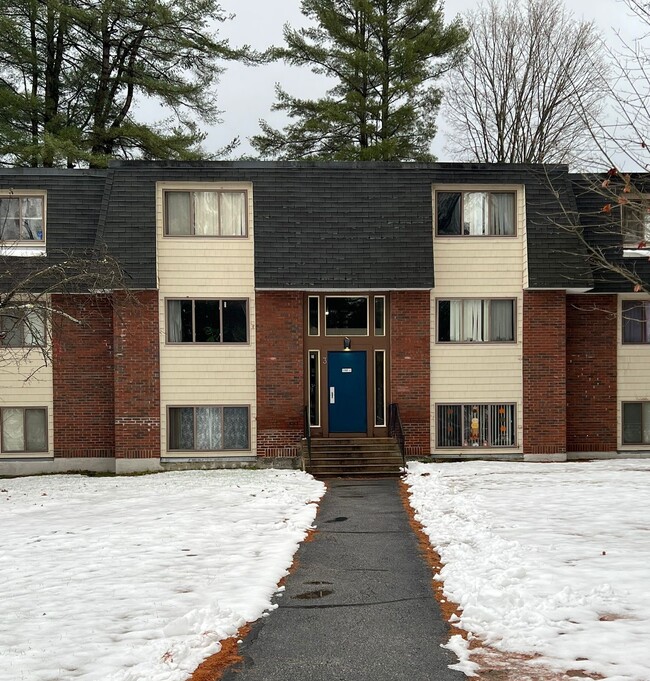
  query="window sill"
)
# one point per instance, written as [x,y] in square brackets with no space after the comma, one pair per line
[629,252]
[18,251]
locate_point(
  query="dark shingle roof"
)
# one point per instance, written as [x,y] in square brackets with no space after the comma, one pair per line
[317,225]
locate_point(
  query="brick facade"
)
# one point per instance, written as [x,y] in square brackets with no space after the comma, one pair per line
[106,376]
[280,372]
[591,360]
[544,372]
[136,375]
[410,370]
[82,370]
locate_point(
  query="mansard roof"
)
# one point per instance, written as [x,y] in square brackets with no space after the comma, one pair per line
[319,225]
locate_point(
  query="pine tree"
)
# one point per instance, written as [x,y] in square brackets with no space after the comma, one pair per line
[72,72]
[385,56]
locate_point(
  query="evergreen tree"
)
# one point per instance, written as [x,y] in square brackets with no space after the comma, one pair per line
[385,56]
[72,71]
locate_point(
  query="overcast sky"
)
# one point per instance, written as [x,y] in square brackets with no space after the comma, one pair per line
[246,94]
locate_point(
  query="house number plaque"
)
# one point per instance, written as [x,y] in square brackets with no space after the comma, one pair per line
[347,370]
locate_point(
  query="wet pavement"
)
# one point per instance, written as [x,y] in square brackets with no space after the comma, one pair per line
[359,605]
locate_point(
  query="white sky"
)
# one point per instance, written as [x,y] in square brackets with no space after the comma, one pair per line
[246,94]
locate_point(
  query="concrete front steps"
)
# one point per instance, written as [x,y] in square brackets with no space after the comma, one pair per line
[353,457]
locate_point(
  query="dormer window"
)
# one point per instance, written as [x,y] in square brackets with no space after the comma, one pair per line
[209,213]
[475,213]
[635,224]
[22,219]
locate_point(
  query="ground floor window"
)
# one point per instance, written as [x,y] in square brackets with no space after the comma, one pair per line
[208,428]
[23,429]
[636,423]
[475,425]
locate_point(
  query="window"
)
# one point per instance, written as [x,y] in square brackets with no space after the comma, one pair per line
[21,329]
[207,321]
[314,313]
[380,387]
[208,428]
[476,321]
[380,315]
[22,219]
[205,213]
[636,224]
[346,316]
[636,423]
[23,429]
[475,213]
[314,388]
[636,321]
[475,425]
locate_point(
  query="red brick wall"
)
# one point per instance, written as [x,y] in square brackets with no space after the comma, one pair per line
[544,372]
[410,372]
[591,373]
[137,375]
[280,370]
[83,377]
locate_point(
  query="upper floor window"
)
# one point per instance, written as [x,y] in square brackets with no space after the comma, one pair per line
[205,213]
[636,224]
[21,328]
[22,219]
[636,321]
[475,213]
[471,321]
[207,321]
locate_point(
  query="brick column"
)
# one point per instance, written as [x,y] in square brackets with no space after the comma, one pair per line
[410,369]
[591,373]
[544,375]
[280,371]
[136,380]
[83,377]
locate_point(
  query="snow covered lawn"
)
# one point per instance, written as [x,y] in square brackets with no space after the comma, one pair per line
[137,579]
[551,560]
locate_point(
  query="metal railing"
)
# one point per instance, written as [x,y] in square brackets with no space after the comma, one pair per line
[395,429]
[307,434]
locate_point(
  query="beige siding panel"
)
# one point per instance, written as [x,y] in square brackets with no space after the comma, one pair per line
[191,267]
[479,267]
[26,382]
[633,372]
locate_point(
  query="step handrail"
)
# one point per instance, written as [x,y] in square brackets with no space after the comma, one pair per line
[307,432]
[395,428]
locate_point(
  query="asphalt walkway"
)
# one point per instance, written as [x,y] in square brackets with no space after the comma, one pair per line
[360,604]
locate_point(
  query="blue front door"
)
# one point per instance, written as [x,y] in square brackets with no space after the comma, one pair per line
[347,392]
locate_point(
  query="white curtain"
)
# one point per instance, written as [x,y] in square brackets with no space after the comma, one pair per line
[13,433]
[178,213]
[34,327]
[475,213]
[455,320]
[502,214]
[209,428]
[501,320]
[473,320]
[174,322]
[206,213]
[233,207]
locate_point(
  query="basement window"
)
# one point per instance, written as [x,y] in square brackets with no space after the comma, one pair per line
[475,425]
[23,430]
[208,429]
[636,423]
